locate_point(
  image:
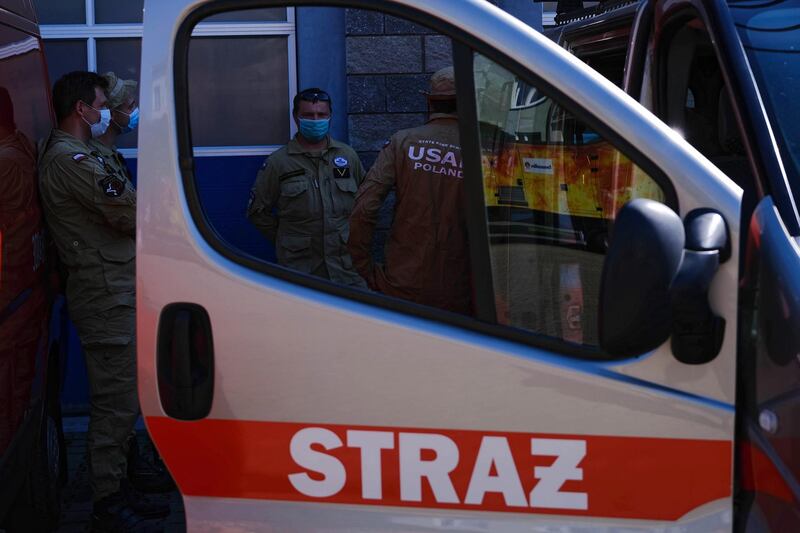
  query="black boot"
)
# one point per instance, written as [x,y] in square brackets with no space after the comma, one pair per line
[144,506]
[146,475]
[113,514]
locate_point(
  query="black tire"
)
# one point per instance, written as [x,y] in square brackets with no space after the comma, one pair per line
[38,506]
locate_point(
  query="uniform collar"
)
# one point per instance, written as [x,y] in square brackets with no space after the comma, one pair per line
[102,148]
[295,148]
[64,136]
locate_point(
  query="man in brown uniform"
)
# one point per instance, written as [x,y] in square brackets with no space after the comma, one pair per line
[427,255]
[310,184]
[90,209]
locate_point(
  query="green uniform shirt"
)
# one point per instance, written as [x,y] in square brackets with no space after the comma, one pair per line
[301,201]
[90,208]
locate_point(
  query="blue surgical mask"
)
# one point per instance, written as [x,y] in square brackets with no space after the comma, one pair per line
[99,127]
[133,121]
[314,130]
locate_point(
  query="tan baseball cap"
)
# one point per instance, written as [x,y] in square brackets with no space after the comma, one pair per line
[443,85]
[119,90]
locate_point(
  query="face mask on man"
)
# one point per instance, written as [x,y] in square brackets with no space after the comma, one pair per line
[99,127]
[133,121]
[314,130]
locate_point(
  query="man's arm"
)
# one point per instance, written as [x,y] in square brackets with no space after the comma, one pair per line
[101,191]
[358,169]
[369,199]
[263,196]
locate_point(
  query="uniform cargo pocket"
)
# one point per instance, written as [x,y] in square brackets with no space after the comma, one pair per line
[294,202]
[290,189]
[294,251]
[119,265]
[344,195]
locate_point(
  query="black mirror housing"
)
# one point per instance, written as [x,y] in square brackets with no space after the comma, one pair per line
[656,280]
[697,331]
[645,256]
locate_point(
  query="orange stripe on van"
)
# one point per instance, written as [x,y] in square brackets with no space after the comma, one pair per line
[619,477]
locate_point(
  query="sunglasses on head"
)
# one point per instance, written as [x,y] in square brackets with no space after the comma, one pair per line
[313,95]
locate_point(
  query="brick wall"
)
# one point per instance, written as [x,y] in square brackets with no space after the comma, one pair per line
[389,61]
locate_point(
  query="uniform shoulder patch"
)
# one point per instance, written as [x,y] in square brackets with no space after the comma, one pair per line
[79,157]
[340,162]
[112,186]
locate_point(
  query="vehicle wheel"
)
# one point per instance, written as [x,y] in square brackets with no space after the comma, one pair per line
[38,506]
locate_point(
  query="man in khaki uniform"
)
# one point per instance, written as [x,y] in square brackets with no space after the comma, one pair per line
[145,475]
[427,253]
[90,209]
[311,184]
[122,103]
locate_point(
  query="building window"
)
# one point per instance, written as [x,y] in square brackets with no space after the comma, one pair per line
[106,35]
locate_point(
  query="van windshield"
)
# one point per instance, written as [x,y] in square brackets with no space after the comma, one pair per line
[770,34]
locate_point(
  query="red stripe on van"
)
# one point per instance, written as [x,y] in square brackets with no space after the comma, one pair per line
[620,477]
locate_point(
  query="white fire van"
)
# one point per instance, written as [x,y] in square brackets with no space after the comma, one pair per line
[631,362]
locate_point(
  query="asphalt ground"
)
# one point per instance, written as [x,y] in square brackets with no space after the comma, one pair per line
[76,504]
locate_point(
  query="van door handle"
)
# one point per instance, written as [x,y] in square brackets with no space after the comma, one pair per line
[185,361]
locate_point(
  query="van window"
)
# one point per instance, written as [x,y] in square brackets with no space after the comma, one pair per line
[61,11]
[553,187]
[769,34]
[695,101]
[605,51]
[379,207]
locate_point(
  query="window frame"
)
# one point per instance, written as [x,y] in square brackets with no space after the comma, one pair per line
[91,31]
[464,48]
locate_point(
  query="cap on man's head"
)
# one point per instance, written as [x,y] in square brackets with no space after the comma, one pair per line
[443,85]
[119,90]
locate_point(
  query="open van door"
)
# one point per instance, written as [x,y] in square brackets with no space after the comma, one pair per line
[585,389]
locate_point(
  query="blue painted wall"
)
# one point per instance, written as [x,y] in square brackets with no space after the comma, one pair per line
[321,60]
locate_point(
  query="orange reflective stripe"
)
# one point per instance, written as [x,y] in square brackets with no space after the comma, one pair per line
[603,476]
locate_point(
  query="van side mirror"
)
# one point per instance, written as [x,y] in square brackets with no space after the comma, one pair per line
[656,279]
[644,255]
[696,330]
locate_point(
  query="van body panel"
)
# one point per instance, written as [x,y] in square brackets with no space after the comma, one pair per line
[287,354]
[31,326]
[212,514]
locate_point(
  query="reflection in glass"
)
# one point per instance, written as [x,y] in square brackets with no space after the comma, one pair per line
[61,11]
[64,56]
[116,12]
[552,188]
[121,56]
[271,14]
[24,118]
[239,91]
